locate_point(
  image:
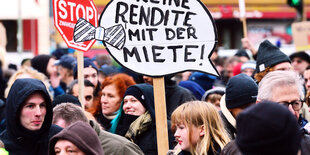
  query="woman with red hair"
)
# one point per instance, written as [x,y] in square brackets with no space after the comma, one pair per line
[113,90]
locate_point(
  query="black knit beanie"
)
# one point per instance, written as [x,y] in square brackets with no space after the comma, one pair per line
[40,62]
[137,93]
[240,90]
[302,55]
[242,52]
[269,55]
[268,128]
[65,98]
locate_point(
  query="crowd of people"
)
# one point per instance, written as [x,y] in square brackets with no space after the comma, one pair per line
[259,105]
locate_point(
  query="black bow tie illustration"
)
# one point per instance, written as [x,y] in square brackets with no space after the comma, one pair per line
[114,36]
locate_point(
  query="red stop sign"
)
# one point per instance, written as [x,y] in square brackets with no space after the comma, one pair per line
[66,14]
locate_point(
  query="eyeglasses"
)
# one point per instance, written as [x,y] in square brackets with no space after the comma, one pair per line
[297,104]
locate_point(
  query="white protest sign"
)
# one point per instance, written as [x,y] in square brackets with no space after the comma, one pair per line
[242,8]
[301,35]
[155,38]
[160,36]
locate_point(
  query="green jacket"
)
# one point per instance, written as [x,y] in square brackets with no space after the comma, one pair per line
[113,144]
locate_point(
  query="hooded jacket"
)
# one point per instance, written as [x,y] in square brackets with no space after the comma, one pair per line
[147,141]
[16,138]
[80,134]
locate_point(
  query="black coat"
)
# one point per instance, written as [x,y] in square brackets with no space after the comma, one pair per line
[103,121]
[16,138]
[175,96]
[210,151]
[147,141]
[230,129]
[231,149]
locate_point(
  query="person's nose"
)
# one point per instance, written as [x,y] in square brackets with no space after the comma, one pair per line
[38,111]
[91,79]
[290,108]
[104,99]
[62,153]
[127,105]
[86,103]
[176,134]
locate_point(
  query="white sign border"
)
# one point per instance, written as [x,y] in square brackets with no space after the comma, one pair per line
[209,56]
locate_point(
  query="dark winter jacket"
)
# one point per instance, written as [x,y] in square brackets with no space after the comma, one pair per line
[230,129]
[231,149]
[184,153]
[175,96]
[302,121]
[210,151]
[103,121]
[16,138]
[147,141]
[2,116]
[81,135]
[304,145]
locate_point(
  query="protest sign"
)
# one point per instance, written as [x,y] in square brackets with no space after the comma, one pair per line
[242,8]
[157,38]
[301,35]
[66,14]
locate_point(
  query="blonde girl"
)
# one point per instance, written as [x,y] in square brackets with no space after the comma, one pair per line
[198,129]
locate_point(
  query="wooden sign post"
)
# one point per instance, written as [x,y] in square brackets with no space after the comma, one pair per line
[160,115]
[80,67]
[244,25]
[155,38]
[304,13]
[242,12]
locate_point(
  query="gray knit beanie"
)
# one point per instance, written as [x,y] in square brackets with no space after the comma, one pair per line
[269,55]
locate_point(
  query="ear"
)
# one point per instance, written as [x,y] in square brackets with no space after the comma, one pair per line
[201,130]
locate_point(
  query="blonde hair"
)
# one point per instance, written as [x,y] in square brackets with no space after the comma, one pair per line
[213,98]
[199,113]
[33,73]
